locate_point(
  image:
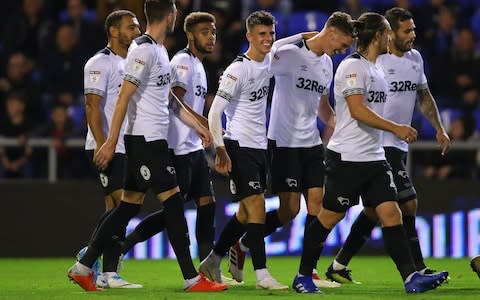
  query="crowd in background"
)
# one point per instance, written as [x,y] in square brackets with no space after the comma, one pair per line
[44,45]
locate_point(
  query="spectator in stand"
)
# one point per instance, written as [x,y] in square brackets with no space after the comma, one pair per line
[456,163]
[15,159]
[17,78]
[86,30]
[456,76]
[63,67]
[59,127]
[27,30]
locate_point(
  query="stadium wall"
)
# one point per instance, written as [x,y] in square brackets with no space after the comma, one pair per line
[51,220]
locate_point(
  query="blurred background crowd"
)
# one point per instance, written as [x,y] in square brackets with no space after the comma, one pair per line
[44,45]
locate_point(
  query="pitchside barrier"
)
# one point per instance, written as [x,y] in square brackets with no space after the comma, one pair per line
[50,218]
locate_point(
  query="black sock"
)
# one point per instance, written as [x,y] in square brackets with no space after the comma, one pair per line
[111,255]
[254,238]
[230,234]
[359,234]
[111,231]
[272,222]
[412,236]
[313,242]
[178,234]
[148,227]
[205,229]
[100,221]
[397,247]
[309,219]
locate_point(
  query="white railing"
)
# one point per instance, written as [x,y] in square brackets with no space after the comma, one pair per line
[49,144]
[79,143]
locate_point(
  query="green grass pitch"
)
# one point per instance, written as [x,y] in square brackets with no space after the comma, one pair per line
[46,279]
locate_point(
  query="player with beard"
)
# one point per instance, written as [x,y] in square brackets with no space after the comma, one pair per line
[355,163]
[403,69]
[103,76]
[144,99]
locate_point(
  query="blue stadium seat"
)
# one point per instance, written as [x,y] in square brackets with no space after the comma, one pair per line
[302,21]
[476,114]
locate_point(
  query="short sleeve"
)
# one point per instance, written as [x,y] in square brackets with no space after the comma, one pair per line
[138,64]
[95,76]
[230,85]
[423,83]
[181,70]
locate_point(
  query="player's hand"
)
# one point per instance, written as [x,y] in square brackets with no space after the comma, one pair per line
[443,140]
[223,164]
[406,133]
[104,155]
[205,135]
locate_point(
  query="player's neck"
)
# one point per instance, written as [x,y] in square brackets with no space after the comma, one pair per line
[315,45]
[396,52]
[117,49]
[370,53]
[158,32]
[195,52]
[255,55]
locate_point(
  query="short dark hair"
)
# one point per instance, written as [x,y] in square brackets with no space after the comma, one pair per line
[156,10]
[260,17]
[396,15]
[342,21]
[366,27]
[195,18]
[114,19]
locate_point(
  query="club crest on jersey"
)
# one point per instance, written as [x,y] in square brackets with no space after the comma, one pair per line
[94,76]
[103,180]
[145,172]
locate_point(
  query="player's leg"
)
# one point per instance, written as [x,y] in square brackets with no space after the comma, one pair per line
[163,182]
[381,194]
[314,239]
[201,189]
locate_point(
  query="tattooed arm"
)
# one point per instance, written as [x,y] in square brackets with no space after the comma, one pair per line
[429,109]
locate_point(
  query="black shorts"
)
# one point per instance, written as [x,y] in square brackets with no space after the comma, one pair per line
[193,175]
[296,169]
[149,165]
[346,181]
[112,178]
[249,168]
[397,160]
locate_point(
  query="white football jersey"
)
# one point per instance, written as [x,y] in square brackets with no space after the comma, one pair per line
[301,78]
[148,67]
[189,74]
[356,141]
[405,76]
[103,76]
[245,85]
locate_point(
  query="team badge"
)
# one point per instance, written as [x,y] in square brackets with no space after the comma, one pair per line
[94,76]
[145,172]
[103,180]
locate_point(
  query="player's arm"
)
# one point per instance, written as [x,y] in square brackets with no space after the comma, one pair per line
[223,164]
[179,93]
[429,109]
[325,112]
[179,108]
[293,39]
[362,113]
[106,151]
[95,117]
